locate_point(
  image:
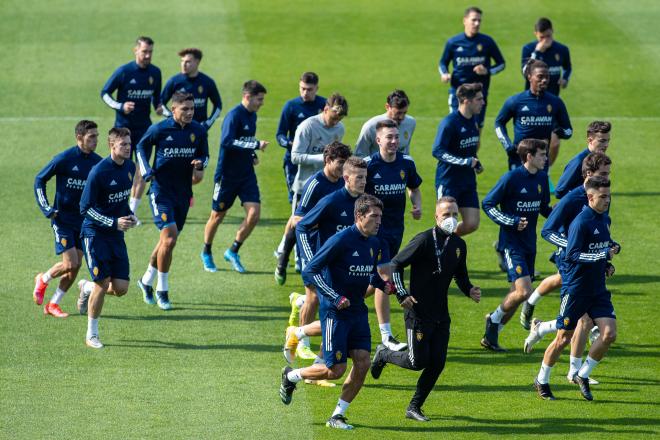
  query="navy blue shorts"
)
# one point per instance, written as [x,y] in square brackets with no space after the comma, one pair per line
[556,258]
[136,136]
[466,197]
[391,244]
[596,305]
[226,191]
[168,210]
[519,264]
[453,107]
[106,257]
[290,170]
[341,335]
[66,237]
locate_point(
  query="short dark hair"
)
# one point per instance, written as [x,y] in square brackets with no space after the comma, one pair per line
[181,97]
[533,64]
[468,91]
[196,53]
[336,150]
[472,9]
[445,199]
[253,87]
[143,39]
[597,182]
[355,162]
[543,24]
[366,202]
[530,146]
[309,78]
[593,162]
[338,103]
[84,126]
[116,132]
[398,99]
[598,127]
[386,123]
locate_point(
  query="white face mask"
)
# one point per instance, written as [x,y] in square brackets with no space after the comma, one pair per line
[449,225]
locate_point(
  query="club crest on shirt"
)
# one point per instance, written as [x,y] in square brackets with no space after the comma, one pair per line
[338,355]
[222,206]
[402,174]
[200,89]
[63,241]
[192,137]
[405,135]
[419,336]
[518,269]
[567,321]
[458,252]
[371,252]
[539,188]
[163,217]
[479,47]
[130,177]
[95,271]
[151,80]
[557,57]
[549,108]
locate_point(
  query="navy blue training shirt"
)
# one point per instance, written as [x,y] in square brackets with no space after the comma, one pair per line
[203,89]
[293,113]
[555,228]
[572,176]
[316,187]
[455,145]
[558,59]
[237,145]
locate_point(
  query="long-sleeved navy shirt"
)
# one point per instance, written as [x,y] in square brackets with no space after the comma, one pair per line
[105,197]
[237,145]
[558,59]
[293,113]
[345,266]
[455,145]
[316,187]
[555,228]
[203,89]
[133,83]
[517,194]
[572,175]
[70,168]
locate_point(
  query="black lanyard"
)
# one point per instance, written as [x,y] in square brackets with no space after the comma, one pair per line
[438,255]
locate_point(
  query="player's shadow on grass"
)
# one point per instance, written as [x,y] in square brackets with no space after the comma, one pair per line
[170,316]
[233,220]
[481,356]
[628,278]
[224,307]
[137,343]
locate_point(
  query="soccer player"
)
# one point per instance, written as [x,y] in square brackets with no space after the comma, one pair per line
[390,175]
[324,182]
[235,176]
[70,169]
[201,86]
[514,204]
[181,146]
[342,271]
[585,266]
[536,114]
[598,140]
[294,112]
[104,203]
[330,215]
[138,86]
[470,53]
[396,109]
[456,145]
[553,53]
[436,256]
[311,137]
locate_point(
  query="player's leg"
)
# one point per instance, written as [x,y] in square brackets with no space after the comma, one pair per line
[578,344]
[67,271]
[307,316]
[223,198]
[546,286]
[416,357]
[288,243]
[294,334]
[248,193]
[469,221]
[382,300]
[554,149]
[139,185]
[166,243]
[146,283]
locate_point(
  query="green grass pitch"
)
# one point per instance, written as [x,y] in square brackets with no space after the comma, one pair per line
[210,368]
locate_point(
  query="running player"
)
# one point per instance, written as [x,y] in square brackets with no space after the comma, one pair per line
[235,176]
[180,147]
[104,203]
[584,269]
[396,109]
[456,145]
[201,86]
[294,112]
[390,175]
[70,169]
[536,114]
[514,204]
[342,271]
[598,140]
[138,86]
[470,53]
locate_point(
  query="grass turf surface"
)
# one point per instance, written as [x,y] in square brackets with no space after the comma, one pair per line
[210,368]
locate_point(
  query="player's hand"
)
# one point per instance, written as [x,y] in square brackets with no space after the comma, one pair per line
[390,288]
[53,214]
[344,303]
[148,177]
[543,45]
[475,294]
[563,83]
[522,224]
[197,176]
[408,302]
[612,251]
[609,270]
[126,223]
[480,70]
[197,164]
[416,212]
[159,110]
[616,248]
[255,161]
[263,145]
[128,107]
[445,77]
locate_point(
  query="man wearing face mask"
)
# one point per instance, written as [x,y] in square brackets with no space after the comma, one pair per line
[436,256]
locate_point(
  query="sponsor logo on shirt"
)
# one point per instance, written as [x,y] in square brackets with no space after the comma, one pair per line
[596,231]
[470,61]
[75,168]
[301,115]
[179,152]
[343,214]
[355,254]
[536,120]
[247,127]
[113,183]
[459,49]
[132,81]
[524,109]
[74,183]
[119,196]
[169,138]
[523,191]
[140,94]
[530,206]
[468,142]
[395,188]
[361,269]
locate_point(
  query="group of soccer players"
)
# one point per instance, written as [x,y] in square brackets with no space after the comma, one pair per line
[348,209]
